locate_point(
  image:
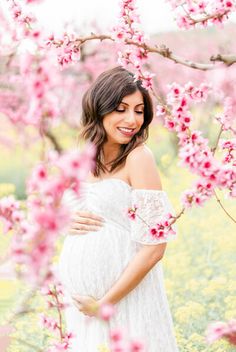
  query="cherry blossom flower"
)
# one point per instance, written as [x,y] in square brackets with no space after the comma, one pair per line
[190,13]
[131,212]
[106,311]
[218,330]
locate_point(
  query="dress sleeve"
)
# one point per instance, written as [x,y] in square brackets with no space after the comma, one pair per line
[151,208]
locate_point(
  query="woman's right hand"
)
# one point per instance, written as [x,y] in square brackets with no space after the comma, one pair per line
[83,222]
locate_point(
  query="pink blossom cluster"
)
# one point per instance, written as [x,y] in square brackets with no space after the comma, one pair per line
[56,301]
[228,117]
[179,98]
[10,213]
[230,146]
[42,80]
[204,12]
[194,151]
[119,342]
[49,322]
[128,31]
[25,21]
[34,239]
[131,212]
[66,48]
[219,330]
[201,191]
[39,105]
[197,156]
[163,228]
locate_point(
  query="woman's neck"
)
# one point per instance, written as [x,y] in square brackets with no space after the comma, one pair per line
[110,152]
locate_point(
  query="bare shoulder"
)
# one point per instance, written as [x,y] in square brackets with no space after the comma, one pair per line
[142,169]
[139,152]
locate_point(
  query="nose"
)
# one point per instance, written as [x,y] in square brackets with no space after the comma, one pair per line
[130,117]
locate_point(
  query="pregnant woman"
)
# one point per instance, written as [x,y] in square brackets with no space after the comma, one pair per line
[106,256]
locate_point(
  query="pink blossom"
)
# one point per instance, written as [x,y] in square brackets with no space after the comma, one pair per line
[131,212]
[116,335]
[136,346]
[189,13]
[106,311]
[128,29]
[153,231]
[218,330]
[10,213]
[49,322]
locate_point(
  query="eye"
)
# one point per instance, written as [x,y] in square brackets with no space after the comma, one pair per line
[139,112]
[120,110]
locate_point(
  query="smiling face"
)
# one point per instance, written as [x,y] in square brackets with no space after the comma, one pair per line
[124,122]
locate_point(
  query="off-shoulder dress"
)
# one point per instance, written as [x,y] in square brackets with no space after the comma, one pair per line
[90,264]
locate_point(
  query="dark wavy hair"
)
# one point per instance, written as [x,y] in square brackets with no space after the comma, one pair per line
[103,97]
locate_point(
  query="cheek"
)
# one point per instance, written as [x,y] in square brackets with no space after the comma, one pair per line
[140,120]
[111,123]
[108,126]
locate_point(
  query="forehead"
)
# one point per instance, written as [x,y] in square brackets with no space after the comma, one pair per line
[134,98]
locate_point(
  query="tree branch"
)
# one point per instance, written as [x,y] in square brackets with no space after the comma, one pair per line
[165,52]
[228,60]
[54,141]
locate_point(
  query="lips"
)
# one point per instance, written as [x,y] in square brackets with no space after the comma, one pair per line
[126,131]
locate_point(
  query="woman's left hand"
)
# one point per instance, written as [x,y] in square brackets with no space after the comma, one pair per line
[87,305]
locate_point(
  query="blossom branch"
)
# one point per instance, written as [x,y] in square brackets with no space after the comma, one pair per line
[55,294]
[207,17]
[162,50]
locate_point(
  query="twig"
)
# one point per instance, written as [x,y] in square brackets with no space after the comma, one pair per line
[219,201]
[217,140]
[59,312]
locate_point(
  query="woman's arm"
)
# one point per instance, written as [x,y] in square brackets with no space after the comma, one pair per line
[134,273]
[143,174]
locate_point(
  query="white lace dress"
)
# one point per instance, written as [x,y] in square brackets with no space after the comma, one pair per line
[90,264]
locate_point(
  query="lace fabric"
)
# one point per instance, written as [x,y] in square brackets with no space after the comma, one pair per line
[152,206]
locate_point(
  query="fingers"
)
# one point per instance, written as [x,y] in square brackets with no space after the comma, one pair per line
[87,218]
[82,229]
[87,221]
[80,307]
[76,232]
[84,222]
[88,214]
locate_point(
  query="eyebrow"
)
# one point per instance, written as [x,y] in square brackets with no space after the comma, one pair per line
[122,102]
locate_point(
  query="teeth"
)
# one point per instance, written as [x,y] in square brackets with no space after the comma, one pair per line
[126,129]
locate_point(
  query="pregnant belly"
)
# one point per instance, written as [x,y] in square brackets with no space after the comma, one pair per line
[90,264]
